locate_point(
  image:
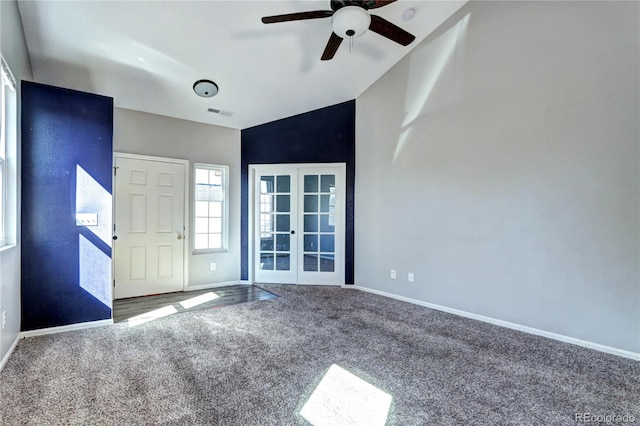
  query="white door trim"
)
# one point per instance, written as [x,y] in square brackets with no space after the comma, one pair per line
[253,170]
[187,234]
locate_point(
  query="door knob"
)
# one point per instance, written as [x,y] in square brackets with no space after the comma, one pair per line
[293,232]
[115,237]
[179,236]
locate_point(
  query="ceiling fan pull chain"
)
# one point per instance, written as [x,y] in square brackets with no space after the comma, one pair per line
[350,44]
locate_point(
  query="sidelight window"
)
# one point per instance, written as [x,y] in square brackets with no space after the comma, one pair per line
[7,151]
[211,194]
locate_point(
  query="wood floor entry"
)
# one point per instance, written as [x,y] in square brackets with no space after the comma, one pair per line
[146,308]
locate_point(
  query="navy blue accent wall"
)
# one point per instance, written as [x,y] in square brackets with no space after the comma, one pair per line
[65,134]
[326,135]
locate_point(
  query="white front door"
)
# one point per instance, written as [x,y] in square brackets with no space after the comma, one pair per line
[148,226]
[299,224]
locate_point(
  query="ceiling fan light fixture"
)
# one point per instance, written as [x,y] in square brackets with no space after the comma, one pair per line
[205,88]
[350,21]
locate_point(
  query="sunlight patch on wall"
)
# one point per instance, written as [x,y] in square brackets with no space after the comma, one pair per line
[438,61]
[341,398]
[199,300]
[95,271]
[91,197]
[153,315]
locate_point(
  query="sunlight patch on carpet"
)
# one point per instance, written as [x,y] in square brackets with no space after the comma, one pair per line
[345,399]
[199,300]
[153,315]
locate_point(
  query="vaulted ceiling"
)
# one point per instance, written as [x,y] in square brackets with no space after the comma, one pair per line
[148,54]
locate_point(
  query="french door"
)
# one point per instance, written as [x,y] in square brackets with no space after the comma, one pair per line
[298,222]
[149,225]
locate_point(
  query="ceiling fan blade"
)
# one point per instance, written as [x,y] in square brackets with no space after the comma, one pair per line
[374,4]
[332,47]
[313,14]
[391,31]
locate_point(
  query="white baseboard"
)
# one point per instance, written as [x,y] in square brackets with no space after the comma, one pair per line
[507,324]
[9,352]
[216,285]
[63,328]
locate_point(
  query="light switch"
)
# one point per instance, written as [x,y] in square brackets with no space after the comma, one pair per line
[86,219]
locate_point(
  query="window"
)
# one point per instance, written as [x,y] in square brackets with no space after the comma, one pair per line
[7,148]
[210,208]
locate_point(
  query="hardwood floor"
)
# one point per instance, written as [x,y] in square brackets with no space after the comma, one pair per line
[136,308]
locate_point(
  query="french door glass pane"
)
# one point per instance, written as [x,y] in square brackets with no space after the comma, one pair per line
[283,203]
[310,262]
[319,229]
[283,223]
[324,203]
[266,223]
[327,183]
[311,203]
[284,184]
[275,238]
[266,184]
[327,243]
[311,183]
[266,261]
[310,242]
[283,242]
[266,203]
[283,262]
[310,223]
[266,243]
[327,263]
[326,223]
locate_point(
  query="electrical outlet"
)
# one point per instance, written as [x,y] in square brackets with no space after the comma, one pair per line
[4,319]
[410,277]
[393,274]
[213,266]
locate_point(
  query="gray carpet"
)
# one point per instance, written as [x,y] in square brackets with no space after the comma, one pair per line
[258,363]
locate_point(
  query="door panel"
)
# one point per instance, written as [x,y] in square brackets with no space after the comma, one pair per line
[275,226]
[299,228]
[149,226]
[323,233]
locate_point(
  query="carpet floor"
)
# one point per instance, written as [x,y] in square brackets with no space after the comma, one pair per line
[315,355]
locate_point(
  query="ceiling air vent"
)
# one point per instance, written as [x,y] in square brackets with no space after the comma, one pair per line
[221,112]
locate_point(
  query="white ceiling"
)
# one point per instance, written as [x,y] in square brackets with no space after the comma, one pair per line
[148,54]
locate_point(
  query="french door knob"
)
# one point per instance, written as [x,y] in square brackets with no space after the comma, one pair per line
[293,232]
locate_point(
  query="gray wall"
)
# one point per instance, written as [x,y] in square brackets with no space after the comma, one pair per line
[148,134]
[14,50]
[498,162]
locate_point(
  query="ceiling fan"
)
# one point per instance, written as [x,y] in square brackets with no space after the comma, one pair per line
[349,19]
